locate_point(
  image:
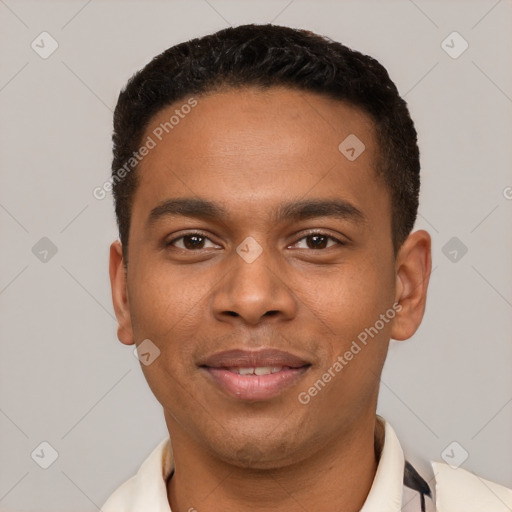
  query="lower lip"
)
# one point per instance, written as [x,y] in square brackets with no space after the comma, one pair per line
[255,387]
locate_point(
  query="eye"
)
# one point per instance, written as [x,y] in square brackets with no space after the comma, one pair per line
[197,241]
[191,242]
[318,240]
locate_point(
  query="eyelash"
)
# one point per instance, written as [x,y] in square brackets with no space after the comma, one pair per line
[202,235]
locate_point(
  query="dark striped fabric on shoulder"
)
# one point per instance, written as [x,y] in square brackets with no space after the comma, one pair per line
[417,495]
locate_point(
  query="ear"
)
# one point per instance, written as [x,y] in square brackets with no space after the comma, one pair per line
[120,294]
[413,267]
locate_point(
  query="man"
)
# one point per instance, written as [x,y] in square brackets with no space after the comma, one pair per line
[266,185]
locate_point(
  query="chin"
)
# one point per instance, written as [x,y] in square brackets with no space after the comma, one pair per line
[258,453]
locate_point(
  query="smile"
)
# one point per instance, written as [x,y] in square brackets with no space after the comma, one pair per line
[259,370]
[253,374]
[254,383]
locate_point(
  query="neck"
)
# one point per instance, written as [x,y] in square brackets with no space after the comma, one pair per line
[336,477]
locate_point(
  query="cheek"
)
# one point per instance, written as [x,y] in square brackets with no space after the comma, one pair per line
[161,313]
[357,343]
[166,307]
[163,299]
[352,298]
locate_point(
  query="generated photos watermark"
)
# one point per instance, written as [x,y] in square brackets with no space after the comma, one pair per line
[150,143]
[342,360]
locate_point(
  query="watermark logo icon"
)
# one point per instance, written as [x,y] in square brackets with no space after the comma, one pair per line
[454,454]
[454,249]
[44,45]
[44,250]
[146,352]
[249,249]
[454,45]
[351,147]
[44,455]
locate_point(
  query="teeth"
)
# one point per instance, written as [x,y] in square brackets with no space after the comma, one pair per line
[263,370]
[259,370]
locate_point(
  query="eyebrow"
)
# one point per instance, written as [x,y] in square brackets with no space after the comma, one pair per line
[295,211]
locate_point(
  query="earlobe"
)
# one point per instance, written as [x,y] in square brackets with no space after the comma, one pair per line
[413,267]
[120,294]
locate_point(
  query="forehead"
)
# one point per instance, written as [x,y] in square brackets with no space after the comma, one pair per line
[252,149]
[278,120]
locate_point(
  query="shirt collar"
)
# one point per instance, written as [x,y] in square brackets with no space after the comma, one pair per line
[147,490]
[150,486]
[386,491]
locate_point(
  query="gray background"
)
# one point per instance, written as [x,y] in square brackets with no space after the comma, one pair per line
[66,380]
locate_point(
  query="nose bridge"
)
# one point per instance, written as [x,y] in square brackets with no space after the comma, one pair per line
[255,286]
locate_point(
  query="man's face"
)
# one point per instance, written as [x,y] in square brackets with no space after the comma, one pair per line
[319,281]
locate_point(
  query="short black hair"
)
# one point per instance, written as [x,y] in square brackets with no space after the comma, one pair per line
[270,56]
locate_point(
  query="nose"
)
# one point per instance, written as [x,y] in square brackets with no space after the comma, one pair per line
[253,291]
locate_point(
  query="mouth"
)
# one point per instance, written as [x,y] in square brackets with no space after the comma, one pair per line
[254,376]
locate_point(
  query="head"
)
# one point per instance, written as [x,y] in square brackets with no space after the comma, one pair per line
[270,187]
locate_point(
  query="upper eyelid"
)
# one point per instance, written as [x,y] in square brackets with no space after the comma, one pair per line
[191,233]
[309,233]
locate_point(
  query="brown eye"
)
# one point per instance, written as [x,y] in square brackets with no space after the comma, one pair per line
[318,241]
[191,242]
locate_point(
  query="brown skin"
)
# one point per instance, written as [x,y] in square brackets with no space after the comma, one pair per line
[251,151]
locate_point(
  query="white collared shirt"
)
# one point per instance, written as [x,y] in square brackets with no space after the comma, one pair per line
[456,490]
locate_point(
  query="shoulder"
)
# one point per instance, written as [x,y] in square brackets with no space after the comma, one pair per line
[146,490]
[458,490]
[121,498]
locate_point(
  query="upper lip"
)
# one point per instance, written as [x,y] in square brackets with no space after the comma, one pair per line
[252,359]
